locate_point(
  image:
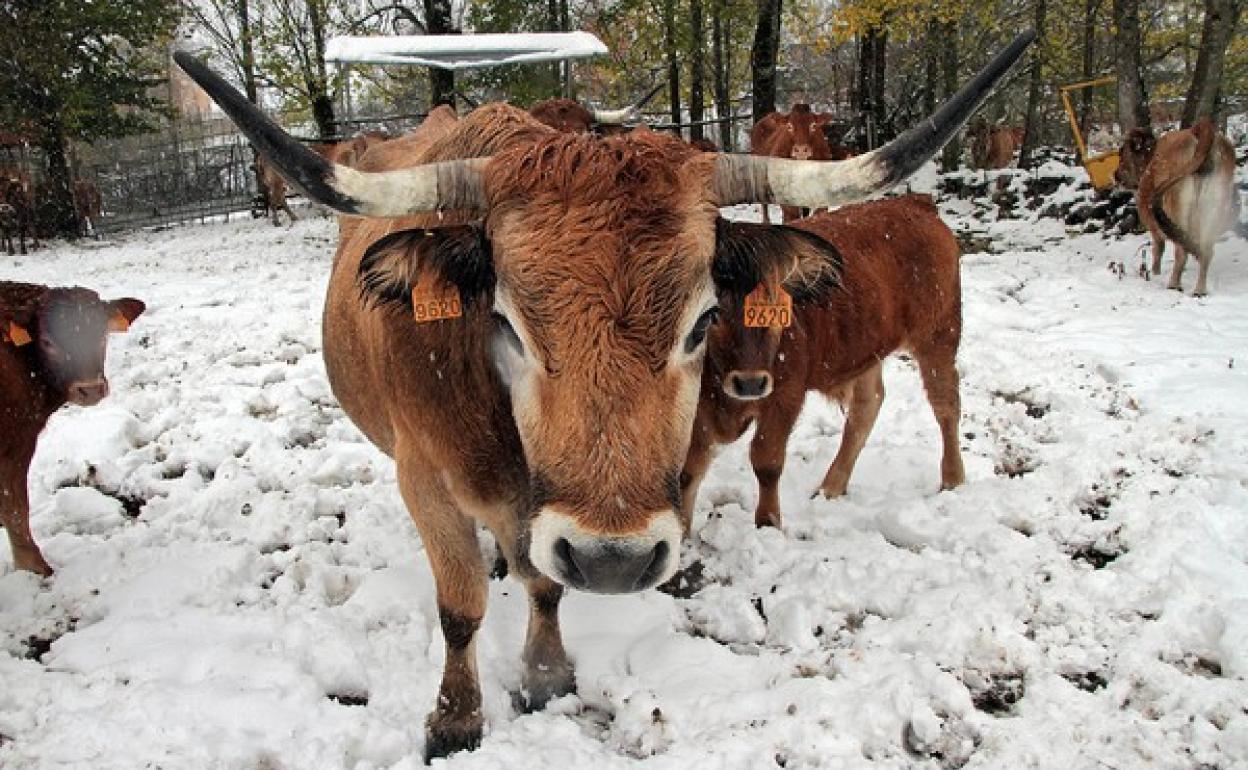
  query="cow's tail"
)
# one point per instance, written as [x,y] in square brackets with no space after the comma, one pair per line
[1204,133]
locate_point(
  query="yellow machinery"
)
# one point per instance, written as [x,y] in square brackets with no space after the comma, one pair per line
[1100,167]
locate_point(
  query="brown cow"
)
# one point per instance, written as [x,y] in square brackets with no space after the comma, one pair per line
[571,117]
[518,317]
[17,209]
[992,146]
[274,190]
[797,134]
[1137,150]
[893,286]
[1187,195]
[87,207]
[52,345]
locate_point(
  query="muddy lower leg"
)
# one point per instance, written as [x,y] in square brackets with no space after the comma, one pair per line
[866,393]
[547,672]
[450,541]
[1204,258]
[771,437]
[15,516]
[940,380]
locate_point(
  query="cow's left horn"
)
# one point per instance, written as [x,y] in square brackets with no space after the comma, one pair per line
[450,185]
[625,114]
[754,179]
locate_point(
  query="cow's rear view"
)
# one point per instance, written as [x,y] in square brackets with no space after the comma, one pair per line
[52,345]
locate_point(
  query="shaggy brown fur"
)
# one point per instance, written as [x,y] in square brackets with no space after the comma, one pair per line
[1187,195]
[1137,150]
[898,289]
[565,115]
[52,353]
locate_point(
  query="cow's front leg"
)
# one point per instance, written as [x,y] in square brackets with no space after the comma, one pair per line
[548,674]
[15,516]
[451,543]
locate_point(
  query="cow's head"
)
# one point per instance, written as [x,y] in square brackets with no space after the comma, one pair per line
[1135,155]
[68,331]
[805,136]
[602,262]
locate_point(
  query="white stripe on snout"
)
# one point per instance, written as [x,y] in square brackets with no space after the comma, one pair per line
[549,525]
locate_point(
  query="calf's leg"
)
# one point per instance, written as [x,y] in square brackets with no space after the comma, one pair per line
[15,515]
[697,461]
[547,672]
[1176,272]
[450,541]
[771,438]
[866,393]
[1204,258]
[938,367]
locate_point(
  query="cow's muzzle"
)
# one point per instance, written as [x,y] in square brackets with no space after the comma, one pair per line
[748,385]
[570,554]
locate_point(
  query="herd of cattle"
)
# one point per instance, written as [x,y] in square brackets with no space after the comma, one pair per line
[20,198]
[597,329]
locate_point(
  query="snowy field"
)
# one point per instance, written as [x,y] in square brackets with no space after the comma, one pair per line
[239,585]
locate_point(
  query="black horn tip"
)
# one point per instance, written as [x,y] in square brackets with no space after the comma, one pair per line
[303,168]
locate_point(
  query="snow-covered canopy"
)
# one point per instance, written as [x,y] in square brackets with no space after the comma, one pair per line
[456,52]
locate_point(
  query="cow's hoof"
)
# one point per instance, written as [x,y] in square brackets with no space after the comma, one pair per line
[443,739]
[762,520]
[543,686]
[36,565]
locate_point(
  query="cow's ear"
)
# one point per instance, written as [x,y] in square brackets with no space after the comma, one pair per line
[747,253]
[458,255]
[123,313]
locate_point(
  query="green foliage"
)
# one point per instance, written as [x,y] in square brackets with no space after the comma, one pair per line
[83,70]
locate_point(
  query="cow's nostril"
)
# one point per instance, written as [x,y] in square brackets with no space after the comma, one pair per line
[658,562]
[566,559]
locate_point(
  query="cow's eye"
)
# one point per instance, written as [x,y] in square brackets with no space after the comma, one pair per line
[698,335]
[508,333]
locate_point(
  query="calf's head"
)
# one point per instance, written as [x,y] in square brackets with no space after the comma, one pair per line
[1135,155]
[68,328]
[602,262]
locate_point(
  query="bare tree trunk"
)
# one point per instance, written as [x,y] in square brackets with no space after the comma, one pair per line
[565,25]
[878,103]
[697,66]
[1221,18]
[1132,100]
[870,90]
[763,57]
[952,154]
[1089,62]
[441,82]
[318,81]
[1031,128]
[719,66]
[248,52]
[931,66]
[673,63]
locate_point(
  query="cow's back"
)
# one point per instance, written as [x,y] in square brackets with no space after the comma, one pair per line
[900,281]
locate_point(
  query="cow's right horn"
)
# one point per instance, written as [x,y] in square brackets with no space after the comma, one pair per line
[754,179]
[449,185]
[625,114]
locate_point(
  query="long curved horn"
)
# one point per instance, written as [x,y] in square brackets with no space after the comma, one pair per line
[450,185]
[625,114]
[755,179]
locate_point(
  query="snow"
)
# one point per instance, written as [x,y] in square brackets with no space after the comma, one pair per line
[239,585]
[456,52]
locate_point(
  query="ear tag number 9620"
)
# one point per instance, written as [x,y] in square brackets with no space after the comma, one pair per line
[769,307]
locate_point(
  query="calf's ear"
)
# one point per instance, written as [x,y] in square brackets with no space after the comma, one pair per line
[746,253]
[458,255]
[124,311]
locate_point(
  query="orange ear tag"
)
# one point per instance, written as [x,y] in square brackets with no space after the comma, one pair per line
[433,300]
[118,323]
[17,335]
[765,309]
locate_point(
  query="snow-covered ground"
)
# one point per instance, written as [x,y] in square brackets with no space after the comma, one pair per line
[239,585]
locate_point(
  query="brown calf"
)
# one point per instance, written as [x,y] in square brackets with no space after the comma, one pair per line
[17,209]
[52,345]
[274,190]
[518,317]
[893,286]
[993,146]
[1187,195]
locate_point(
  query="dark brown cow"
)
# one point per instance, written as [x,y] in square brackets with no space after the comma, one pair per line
[571,117]
[1137,150]
[87,207]
[797,134]
[891,284]
[274,191]
[17,209]
[518,317]
[52,345]
[993,147]
[1187,195]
